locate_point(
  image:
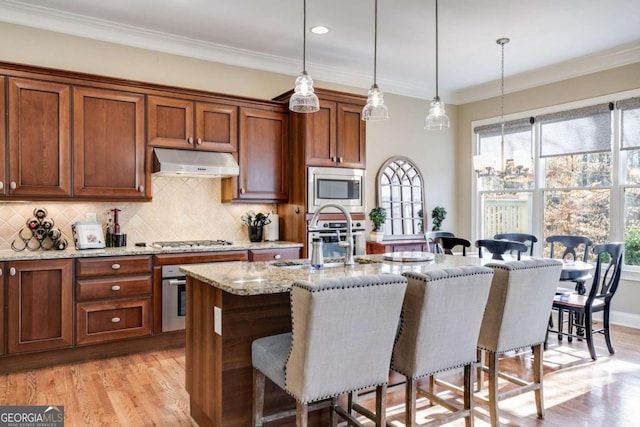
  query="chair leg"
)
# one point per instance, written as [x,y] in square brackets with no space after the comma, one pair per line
[302,414]
[479,371]
[560,324]
[537,379]
[493,388]
[333,417]
[588,326]
[381,405]
[410,402]
[468,394]
[607,330]
[258,397]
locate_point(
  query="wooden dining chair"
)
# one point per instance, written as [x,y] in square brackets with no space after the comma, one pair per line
[449,243]
[581,307]
[499,247]
[527,239]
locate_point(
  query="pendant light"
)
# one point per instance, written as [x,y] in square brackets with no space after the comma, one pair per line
[502,41]
[437,118]
[304,100]
[375,109]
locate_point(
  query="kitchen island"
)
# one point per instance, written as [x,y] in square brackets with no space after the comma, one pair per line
[231,304]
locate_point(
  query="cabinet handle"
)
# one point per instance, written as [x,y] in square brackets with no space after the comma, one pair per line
[13,185]
[141,188]
[115,288]
[1,185]
[0,272]
[199,141]
[115,266]
[334,159]
[242,190]
[190,140]
[115,320]
[277,256]
[12,271]
[340,159]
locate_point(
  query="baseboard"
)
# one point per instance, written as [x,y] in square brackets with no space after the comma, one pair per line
[623,319]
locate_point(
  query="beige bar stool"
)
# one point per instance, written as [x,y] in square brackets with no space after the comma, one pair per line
[441,318]
[342,336]
[516,318]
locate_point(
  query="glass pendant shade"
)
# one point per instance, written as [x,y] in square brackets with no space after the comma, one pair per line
[304,100]
[437,118]
[375,108]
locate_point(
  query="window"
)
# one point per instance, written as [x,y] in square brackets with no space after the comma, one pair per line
[401,193]
[584,178]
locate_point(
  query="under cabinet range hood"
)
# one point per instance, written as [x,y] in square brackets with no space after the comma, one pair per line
[189,163]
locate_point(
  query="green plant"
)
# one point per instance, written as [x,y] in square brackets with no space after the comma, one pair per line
[378,216]
[438,214]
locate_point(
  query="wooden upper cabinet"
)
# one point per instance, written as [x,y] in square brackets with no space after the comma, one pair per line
[108,144]
[39,305]
[39,149]
[185,124]
[263,158]
[3,178]
[335,135]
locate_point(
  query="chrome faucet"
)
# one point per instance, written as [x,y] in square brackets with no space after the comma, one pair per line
[348,242]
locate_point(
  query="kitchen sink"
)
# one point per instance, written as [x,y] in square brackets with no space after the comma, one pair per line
[328,263]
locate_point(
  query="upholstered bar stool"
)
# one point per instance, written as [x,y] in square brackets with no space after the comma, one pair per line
[516,318]
[342,336]
[441,318]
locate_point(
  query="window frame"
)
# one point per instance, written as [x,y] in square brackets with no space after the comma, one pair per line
[618,184]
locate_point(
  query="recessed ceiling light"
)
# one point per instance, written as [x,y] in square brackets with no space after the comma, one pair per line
[319,29]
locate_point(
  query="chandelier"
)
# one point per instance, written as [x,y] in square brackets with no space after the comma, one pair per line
[517,168]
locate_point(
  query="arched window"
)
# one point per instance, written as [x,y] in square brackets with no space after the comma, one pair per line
[401,193]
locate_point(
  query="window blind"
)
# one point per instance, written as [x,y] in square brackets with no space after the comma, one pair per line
[582,130]
[629,122]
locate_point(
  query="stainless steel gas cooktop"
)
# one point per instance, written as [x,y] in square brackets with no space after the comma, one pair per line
[194,244]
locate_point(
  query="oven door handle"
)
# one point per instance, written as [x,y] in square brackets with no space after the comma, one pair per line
[177,282]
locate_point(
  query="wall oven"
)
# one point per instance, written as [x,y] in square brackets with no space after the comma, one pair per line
[332,232]
[343,186]
[174,298]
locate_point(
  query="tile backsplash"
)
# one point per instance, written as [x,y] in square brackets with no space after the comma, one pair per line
[182,209]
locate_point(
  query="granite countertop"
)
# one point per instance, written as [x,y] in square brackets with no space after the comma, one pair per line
[10,255]
[266,277]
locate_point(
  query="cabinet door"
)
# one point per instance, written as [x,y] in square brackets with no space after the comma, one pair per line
[320,135]
[39,138]
[39,305]
[108,144]
[2,138]
[263,156]
[351,136]
[2,271]
[216,127]
[170,122]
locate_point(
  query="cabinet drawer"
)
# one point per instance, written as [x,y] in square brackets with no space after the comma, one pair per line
[111,320]
[87,289]
[274,254]
[87,267]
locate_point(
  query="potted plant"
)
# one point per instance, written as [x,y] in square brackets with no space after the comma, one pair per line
[438,214]
[377,216]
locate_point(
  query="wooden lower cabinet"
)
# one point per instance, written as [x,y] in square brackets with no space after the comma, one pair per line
[396,246]
[39,305]
[113,298]
[112,319]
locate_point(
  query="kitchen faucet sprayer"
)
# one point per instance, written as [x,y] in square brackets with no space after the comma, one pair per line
[348,242]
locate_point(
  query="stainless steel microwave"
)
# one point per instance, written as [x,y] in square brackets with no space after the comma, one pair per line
[343,186]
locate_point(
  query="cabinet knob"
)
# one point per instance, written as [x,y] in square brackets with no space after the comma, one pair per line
[115,320]
[12,271]
[115,288]
[340,159]
[190,140]
[277,256]
[115,266]
[242,190]
[1,185]
[141,188]
[13,185]
[0,272]
[199,142]
[334,159]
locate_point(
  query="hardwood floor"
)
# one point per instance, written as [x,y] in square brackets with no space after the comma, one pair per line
[147,389]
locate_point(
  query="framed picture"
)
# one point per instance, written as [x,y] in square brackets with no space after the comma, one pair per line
[88,235]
